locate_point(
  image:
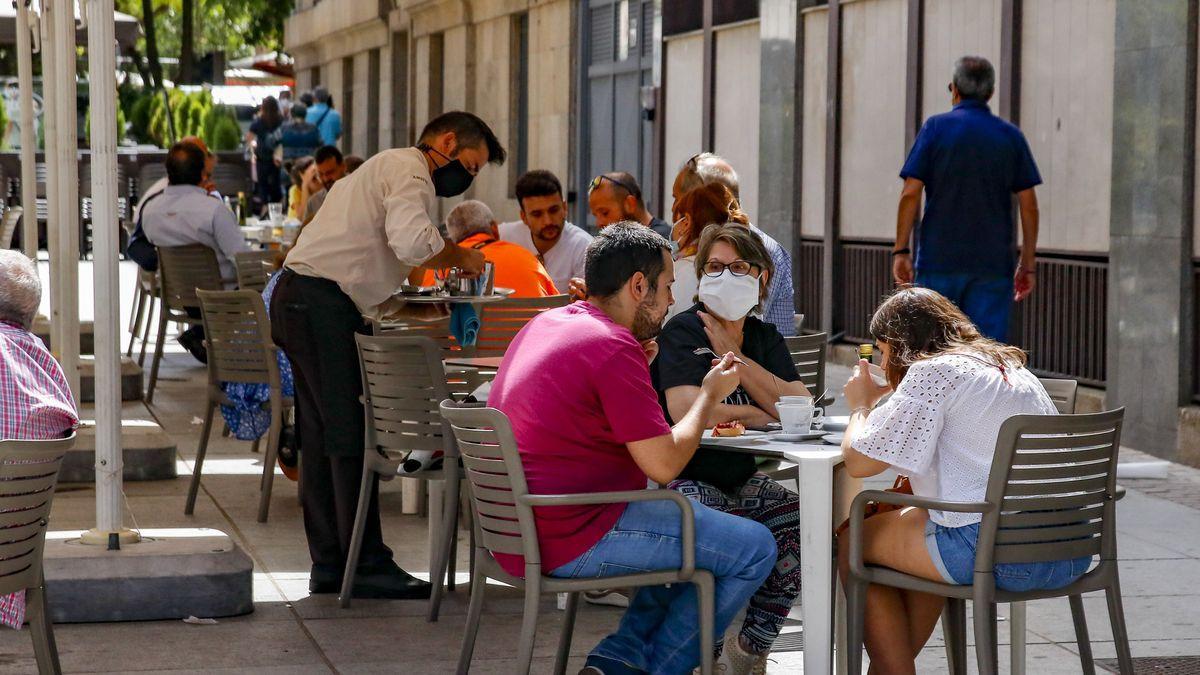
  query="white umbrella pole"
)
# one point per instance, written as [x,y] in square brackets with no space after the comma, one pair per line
[103,89]
[67,168]
[53,198]
[29,220]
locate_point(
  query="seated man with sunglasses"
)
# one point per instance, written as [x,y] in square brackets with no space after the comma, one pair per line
[616,196]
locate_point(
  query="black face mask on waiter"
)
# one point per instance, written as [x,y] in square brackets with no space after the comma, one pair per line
[450,179]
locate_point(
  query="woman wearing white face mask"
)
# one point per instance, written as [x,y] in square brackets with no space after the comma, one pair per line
[733,269]
[691,213]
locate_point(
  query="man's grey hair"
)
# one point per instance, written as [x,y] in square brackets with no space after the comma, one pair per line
[707,168]
[20,289]
[321,94]
[975,78]
[468,218]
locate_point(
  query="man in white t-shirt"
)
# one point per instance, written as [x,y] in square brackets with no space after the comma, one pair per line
[543,229]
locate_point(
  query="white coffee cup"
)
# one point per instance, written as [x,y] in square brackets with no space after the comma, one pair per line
[798,417]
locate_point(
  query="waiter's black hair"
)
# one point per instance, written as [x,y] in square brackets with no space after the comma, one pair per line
[185,164]
[620,250]
[470,131]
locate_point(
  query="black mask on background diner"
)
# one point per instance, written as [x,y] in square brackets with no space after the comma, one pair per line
[450,179]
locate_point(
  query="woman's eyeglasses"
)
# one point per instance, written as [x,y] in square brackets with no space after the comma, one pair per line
[738,268]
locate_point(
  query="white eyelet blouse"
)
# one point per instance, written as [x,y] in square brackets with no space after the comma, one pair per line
[940,426]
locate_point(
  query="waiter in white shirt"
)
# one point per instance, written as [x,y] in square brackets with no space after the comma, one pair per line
[373,229]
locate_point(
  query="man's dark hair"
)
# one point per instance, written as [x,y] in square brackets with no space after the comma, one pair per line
[353,162]
[299,111]
[307,98]
[975,78]
[327,152]
[537,183]
[185,164]
[469,130]
[624,184]
[322,95]
[620,250]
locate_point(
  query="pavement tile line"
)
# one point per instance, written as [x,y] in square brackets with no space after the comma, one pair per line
[244,542]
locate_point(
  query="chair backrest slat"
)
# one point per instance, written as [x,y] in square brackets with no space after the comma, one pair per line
[238,333]
[252,274]
[28,477]
[501,321]
[1062,392]
[496,478]
[183,269]
[1054,477]
[403,382]
[809,355]
[8,225]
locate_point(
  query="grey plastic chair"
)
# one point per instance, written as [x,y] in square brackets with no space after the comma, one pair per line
[181,270]
[252,274]
[502,510]
[1051,496]
[28,477]
[500,321]
[145,295]
[461,381]
[8,225]
[1062,392]
[238,335]
[403,383]
[809,354]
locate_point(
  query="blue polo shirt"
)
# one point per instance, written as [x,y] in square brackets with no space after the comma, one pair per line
[971,162]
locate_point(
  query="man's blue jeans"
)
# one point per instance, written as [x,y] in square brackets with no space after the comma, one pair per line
[986,299]
[660,632]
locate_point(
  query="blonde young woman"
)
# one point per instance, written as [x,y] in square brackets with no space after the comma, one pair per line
[953,389]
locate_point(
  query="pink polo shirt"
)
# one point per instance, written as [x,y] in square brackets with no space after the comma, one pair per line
[576,388]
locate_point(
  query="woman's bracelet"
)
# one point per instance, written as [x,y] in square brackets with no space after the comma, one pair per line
[866,410]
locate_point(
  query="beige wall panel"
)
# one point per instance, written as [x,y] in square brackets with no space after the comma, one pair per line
[458,60]
[550,87]
[873,90]
[420,84]
[1066,113]
[955,28]
[682,126]
[385,97]
[737,100]
[492,95]
[361,82]
[812,174]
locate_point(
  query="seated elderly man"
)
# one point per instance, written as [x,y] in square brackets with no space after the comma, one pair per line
[35,400]
[472,225]
[575,385]
[185,214]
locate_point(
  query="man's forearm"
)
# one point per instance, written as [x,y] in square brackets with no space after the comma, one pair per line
[905,217]
[449,256]
[1029,234]
[688,431]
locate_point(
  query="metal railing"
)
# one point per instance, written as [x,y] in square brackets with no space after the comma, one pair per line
[809,281]
[1064,322]
[868,279]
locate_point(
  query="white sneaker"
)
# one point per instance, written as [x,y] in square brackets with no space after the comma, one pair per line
[610,597]
[742,662]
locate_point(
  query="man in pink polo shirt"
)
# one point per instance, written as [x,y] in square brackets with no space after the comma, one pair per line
[575,384]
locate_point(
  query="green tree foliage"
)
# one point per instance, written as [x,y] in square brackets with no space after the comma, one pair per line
[87,125]
[192,113]
[227,135]
[3,124]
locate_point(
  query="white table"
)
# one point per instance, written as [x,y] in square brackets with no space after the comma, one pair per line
[826,491]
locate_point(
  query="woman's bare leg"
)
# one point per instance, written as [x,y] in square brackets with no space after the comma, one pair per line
[897,623]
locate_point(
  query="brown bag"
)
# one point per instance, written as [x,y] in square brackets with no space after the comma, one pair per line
[902,486]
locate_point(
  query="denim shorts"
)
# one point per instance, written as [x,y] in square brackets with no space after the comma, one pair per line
[953,552]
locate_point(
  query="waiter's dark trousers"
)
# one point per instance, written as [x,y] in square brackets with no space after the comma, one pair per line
[314,323]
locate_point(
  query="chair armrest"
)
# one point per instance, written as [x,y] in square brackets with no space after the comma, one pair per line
[687,523]
[1119,493]
[858,513]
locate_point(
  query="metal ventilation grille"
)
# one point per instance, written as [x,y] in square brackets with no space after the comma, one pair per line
[603,34]
[1158,665]
[809,281]
[647,28]
[1064,321]
[868,280]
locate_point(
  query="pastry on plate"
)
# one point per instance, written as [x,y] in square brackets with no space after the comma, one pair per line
[728,429]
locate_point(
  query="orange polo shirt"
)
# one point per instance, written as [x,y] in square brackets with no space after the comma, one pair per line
[516,268]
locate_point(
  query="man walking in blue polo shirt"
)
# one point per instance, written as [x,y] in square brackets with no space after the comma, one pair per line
[970,163]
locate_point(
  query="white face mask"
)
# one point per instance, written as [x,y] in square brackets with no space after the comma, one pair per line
[729,297]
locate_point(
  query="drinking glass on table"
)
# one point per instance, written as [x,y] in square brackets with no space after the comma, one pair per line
[275,209]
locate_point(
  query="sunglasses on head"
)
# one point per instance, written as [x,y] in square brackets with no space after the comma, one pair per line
[601,178]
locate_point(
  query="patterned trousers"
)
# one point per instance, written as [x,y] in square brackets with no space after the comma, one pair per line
[765,501]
